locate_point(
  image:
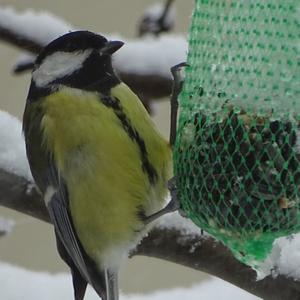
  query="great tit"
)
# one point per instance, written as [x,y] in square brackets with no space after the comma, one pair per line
[95,155]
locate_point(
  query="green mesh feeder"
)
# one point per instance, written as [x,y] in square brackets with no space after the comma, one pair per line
[237,152]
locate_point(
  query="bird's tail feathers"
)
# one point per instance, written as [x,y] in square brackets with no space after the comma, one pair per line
[112,288]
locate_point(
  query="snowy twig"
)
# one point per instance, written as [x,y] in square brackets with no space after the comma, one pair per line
[188,249]
[18,40]
[157,18]
[6,226]
[35,29]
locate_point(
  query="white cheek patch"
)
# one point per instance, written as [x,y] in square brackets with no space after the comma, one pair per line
[58,65]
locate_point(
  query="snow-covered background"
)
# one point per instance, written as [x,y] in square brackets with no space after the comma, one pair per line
[17,283]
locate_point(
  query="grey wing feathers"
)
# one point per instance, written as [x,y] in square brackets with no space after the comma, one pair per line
[62,223]
[59,214]
[58,207]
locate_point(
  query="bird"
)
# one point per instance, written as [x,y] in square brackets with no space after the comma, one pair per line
[96,157]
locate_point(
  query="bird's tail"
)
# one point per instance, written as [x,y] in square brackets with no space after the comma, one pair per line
[112,287]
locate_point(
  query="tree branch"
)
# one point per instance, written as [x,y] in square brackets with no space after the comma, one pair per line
[19,40]
[158,22]
[197,252]
[20,195]
[209,256]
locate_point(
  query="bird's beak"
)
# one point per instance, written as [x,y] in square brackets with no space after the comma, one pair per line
[111,47]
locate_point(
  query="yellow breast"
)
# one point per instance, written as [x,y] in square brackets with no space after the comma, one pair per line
[101,164]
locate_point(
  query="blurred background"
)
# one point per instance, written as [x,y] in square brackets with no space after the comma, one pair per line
[31,243]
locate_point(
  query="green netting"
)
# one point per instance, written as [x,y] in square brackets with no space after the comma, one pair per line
[237,154]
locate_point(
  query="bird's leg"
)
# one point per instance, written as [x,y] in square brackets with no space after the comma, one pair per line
[174,204]
[112,287]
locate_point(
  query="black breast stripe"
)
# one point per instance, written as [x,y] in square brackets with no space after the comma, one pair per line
[133,134]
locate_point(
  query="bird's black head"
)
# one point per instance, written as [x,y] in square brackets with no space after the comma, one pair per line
[79,59]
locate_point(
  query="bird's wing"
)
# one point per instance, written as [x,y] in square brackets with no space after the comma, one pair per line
[58,207]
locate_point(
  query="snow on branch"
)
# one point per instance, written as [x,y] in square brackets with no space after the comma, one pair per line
[6,226]
[144,64]
[12,147]
[35,29]
[174,238]
[150,55]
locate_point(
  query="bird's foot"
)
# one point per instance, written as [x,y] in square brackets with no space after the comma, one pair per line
[172,206]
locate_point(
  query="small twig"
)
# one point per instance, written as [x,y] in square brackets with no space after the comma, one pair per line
[22,67]
[162,19]
[156,25]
